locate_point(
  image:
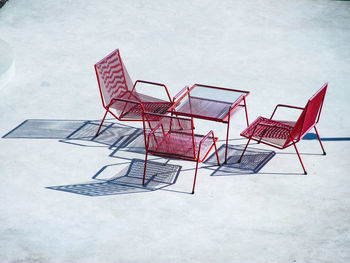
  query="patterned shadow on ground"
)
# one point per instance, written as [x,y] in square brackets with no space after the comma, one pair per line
[126,180]
[252,162]
[116,136]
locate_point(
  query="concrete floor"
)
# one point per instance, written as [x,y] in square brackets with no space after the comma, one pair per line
[68,198]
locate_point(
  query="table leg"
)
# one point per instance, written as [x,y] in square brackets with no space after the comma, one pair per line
[246,112]
[227,135]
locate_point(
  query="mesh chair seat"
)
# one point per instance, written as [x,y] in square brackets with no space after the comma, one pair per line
[277,135]
[282,134]
[180,144]
[134,110]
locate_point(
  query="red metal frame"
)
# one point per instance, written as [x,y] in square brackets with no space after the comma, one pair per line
[180,97]
[114,83]
[174,137]
[282,134]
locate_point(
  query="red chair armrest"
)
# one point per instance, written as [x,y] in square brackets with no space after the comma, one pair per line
[285,106]
[153,83]
[205,138]
[221,88]
[180,93]
[126,100]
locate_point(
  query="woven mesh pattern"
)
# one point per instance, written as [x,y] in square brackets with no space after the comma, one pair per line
[134,110]
[311,111]
[145,98]
[278,135]
[172,136]
[116,83]
[206,107]
[113,77]
[205,145]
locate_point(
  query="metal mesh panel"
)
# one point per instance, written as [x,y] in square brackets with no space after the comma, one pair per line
[171,135]
[209,142]
[174,143]
[112,79]
[200,106]
[310,113]
[209,102]
[115,83]
[129,109]
[145,98]
[278,135]
[313,109]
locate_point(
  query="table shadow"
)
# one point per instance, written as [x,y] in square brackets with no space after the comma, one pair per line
[252,162]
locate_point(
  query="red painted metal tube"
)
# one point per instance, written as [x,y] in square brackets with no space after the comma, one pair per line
[286,106]
[153,83]
[179,93]
[221,88]
[319,139]
[296,149]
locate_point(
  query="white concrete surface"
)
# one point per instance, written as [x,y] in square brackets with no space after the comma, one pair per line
[7,63]
[282,51]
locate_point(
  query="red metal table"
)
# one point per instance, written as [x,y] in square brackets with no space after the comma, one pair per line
[210,103]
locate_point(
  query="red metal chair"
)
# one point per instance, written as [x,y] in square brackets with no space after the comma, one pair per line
[282,134]
[174,137]
[115,83]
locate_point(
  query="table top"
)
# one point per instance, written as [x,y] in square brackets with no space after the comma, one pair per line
[208,102]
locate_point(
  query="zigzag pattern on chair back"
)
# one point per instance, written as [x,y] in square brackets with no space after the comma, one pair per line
[311,113]
[114,80]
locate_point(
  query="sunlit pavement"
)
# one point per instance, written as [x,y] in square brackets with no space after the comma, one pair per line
[67,196]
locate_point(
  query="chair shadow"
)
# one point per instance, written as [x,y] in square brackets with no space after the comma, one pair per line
[127,180]
[313,136]
[115,136]
[252,162]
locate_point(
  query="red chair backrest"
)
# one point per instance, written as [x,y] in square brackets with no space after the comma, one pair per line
[179,129]
[113,79]
[311,113]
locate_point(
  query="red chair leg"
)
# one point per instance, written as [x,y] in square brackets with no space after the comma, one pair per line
[246,111]
[319,139]
[295,147]
[144,171]
[216,152]
[240,159]
[195,177]
[99,128]
[228,132]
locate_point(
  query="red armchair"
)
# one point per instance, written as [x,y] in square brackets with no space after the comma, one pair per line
[281,133]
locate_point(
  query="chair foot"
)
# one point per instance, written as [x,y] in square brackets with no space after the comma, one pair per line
[305,173]
[324,153]
[193,192]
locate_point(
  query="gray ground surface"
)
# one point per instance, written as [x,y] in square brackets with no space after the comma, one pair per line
[65,198]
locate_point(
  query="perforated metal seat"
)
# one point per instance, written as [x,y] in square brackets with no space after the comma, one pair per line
[278,134]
